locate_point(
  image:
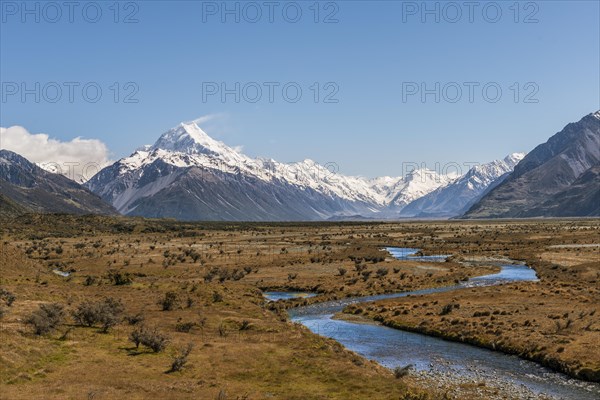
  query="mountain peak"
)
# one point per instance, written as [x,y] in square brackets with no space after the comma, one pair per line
[189,138]
[514,158]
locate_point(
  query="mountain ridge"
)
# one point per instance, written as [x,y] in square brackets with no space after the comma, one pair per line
[457,196]
[25,187]
[187,174]
[547,171]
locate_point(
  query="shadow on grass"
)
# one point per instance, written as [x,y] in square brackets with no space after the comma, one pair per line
[135,351]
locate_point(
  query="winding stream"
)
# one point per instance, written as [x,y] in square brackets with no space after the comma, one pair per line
[392,347]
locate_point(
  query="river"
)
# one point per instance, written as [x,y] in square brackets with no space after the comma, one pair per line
[438,357]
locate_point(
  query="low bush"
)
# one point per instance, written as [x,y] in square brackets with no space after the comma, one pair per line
[90,280]
[135,319]
[184,327]
[47,318]
[447,309]
[181,358]
[149,337]
[168,302]
[7,296]
[401,372]
[106,313]
[381,272]
[119,278]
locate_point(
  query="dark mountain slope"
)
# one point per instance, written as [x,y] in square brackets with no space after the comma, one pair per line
[26,187]
[541,184]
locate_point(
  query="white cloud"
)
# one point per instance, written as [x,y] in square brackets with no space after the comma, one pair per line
[78,159]
[205,118]
[217,126]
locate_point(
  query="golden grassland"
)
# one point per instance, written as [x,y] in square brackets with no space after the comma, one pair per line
[243,347]
[555,321]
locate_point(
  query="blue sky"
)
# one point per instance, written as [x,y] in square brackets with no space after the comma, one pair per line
[372,57]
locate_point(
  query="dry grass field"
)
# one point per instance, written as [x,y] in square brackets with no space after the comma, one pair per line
[200,285]
[555,321]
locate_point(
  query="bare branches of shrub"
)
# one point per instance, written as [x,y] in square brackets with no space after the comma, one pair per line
[106,313]
[149,337]
[181,358]
[47,318]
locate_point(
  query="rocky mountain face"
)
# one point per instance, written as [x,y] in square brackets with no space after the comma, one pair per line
[190,176]
[460,194]
[25,187]
[558,178]
[187,175]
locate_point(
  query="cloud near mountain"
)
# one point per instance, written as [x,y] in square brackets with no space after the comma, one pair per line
[78,159]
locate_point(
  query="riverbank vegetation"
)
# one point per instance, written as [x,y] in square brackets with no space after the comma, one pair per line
[555,322]
[104,307]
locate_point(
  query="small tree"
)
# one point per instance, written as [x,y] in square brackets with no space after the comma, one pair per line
[184,327]
[136,336]
[90,280]
[366,274]
[217,297]
[155,340]
[7,296]
[149,337]
[85,314]
[359,267]
[107,313]
[181,358]
[168,302]
[47,318]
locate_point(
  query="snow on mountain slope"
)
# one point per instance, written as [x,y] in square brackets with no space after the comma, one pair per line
[454,197]
[386,187]
[417,184]
[315,189]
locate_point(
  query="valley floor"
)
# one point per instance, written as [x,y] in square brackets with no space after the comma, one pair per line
[213,274]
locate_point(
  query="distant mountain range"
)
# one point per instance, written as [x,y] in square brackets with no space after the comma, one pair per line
[25,187]
[190,176]
[557,178]
[187,175]
[459,195]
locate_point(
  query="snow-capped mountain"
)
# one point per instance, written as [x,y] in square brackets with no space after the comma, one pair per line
[417,184]
[188,175]
[187,151]
[558,178]
[457,196]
